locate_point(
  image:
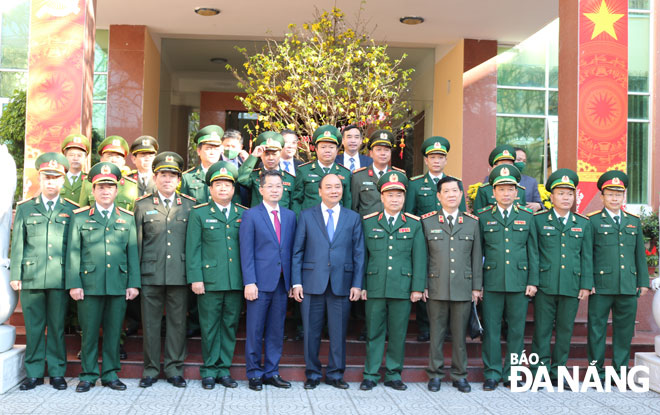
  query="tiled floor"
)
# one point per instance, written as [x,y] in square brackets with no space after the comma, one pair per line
[162,398]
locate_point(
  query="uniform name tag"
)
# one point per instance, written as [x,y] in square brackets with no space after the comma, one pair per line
[605,225]
[90,221]
[548,227]
[576,229]
[436,230]
[287,183]
[63,215]
[211,221]
[424,188]
[120,221]
[35,214]
[491,223]
[403,230]
[151,212]
[520,222]
[366,183]
[377,230]
[631,226]
[313,175]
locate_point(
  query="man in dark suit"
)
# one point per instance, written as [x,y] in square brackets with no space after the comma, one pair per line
[288,161]
[326,272]
[351,157]
[266,243]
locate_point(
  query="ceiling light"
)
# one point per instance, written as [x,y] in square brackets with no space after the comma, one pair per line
[207,11]
[218,60]
[411,20]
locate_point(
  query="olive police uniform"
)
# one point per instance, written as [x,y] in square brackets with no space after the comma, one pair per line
[102,259]
[127,189]
[485,195]
[71,190]
[454,271]
[193,181]
[250,177]
[510,265]
[161,237]
[213,258]
[565,267]
[396,266]
[309,175]
[144,144]
[38,253]
[619,271]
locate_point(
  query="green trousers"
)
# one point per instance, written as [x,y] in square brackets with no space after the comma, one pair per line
[44,309]
[624,310]
[173,300]
[495,306]
[218,320]
[94,312]
[550,311]
[455,315]
[386,317]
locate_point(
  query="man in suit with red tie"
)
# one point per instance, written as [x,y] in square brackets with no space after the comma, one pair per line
[266,241]
[326,272]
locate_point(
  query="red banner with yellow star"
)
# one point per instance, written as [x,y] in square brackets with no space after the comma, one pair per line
[602,94]
[60,79]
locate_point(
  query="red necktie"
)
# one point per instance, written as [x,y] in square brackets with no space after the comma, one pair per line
[278,227]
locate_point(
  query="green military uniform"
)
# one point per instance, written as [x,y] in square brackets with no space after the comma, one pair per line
[127,189]
[250,177]
[309,175]
[565,267]
[395,255]
[70,190]
[454,271]
[38,253]
[484,196]
[102,259]
[510,265]
[193,181]
[144,144]
[161,238]
[619,271]
[213,258]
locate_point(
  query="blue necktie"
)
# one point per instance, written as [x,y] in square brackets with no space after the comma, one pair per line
[330,226]
[287,166]
[352,167]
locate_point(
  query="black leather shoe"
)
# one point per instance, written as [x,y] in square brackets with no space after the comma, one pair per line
[278,382]
[256,384]
[208,382]
[462,385]
[177,381]
[396,384]
[337,383]
[31,383]
[115,385]
[367,385]
[434,384]
[58,382]
[423,337]
[193,333]
[131,331]
[84,386]
[312,383]
[147,381]
[122,353]
[227,382]
[507,384]
[490,385]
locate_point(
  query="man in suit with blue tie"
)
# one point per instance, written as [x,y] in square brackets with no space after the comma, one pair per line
[351,157]
[326,273]
[266,242]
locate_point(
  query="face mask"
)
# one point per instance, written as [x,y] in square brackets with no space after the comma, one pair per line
[231,153]
[520,165]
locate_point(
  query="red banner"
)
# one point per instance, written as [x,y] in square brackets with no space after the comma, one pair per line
[602,94]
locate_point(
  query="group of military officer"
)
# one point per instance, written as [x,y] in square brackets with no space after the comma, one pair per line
[157,230]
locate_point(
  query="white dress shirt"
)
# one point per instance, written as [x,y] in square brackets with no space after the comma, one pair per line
[219,206]
[270,210]
[568,214]
[45,201]
[388,216]
[101,209]
[613,214]
[356,161]
[291,169]
[72,177]
[508,211]
[453,215]
[335,214]
[163,198]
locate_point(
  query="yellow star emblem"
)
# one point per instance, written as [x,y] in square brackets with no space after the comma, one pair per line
[604,20]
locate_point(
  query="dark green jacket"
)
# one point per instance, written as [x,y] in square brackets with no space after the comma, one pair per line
[249,177]
[485,197]
[161,239]
[193,183]
[619,254]
[306,187]
[511,255]
[396,259]
[38,245]
[422,196]
[212,248]
[72,191]
[565,262]
[365,197]
[102,256]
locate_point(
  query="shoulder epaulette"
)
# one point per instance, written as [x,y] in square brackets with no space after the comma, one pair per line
[483,209]
[71,201]
[125,210]
[82,209]
[580,215]
[360,169]
[631,214]
[240,206]
[256,169]
[525,209]
[130,179]
[484,184]
[411,216]
[23,201]
[521,186]
[540,212]
[143,197]
[398,169]
[416,177]
[370,215]
[199,206]
[306,163]
[470,215]
[426,215]
[187,196]
[343,167]
[595,212]
[132,172]
[189,170]
[284,172]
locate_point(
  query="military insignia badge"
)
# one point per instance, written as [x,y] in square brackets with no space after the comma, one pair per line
[504,171]
[565,179]
[326,134]
[506,153]
[394,178]
[215,135]
[145,143]
[116,143]
[383,136]
[169,159]
[77,139]
[616,180]
[105,169]
[53,164]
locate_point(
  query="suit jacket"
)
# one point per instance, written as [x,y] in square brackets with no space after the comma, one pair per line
[38,245]
[365,161]
[161,238]
[102,255]
[263,258]
[531,188]
[317,261]
[250,177]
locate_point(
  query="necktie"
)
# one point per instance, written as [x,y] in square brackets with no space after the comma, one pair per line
[380,173]
[330,226]
[352,167]
[435,180]
[50,206]
[562,221]
[616,219]
[325,170]
[224,212]
[106,215]
[278,226]
[167,204]
[450,220]
[72,179]
[287,166]
[390,221]
[505,214]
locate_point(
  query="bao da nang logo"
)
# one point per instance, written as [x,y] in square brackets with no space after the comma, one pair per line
[635,379]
